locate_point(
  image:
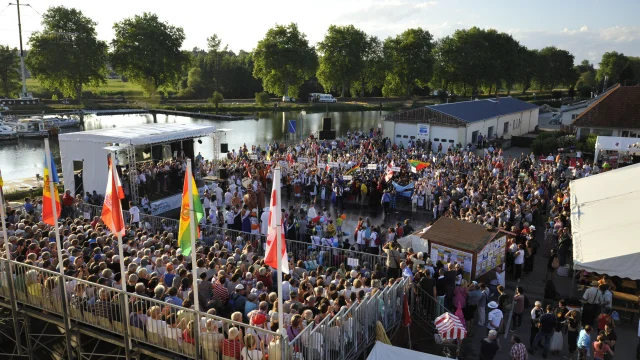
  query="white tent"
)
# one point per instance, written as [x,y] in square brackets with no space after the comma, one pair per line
[416,242]
[615,143]
[88,147]
[382,351]
[604,222]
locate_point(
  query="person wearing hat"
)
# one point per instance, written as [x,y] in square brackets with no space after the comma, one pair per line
[238,300]
[494,319]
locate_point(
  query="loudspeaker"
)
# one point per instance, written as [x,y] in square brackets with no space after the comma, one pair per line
[224,148]
[327,134]
[224,174]
[326,123]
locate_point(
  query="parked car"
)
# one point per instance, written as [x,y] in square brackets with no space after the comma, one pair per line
[556,119]
[327,98]
[288,99]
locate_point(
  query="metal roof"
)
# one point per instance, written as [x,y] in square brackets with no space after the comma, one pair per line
[477,110]
[141,134]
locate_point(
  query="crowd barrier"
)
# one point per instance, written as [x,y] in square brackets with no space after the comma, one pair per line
[312,255]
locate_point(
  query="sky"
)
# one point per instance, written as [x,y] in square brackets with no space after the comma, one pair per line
[586,28]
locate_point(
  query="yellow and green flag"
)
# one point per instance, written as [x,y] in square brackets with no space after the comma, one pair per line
[184,233]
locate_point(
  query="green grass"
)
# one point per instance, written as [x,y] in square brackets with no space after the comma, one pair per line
[113,87]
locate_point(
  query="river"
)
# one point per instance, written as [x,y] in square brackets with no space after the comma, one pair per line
[24,158]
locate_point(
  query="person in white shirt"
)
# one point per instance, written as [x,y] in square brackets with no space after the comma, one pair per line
[518,262]
[495,316]
[135,214]
[174,327]
[250,351]
[373,247]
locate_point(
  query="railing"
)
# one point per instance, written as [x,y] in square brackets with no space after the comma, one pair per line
[348,333]
[152,322]
[314,255]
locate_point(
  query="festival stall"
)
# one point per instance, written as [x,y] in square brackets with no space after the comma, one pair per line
[476,248]
[616,151]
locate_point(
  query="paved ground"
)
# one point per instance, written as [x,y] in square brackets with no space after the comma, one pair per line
[543,122]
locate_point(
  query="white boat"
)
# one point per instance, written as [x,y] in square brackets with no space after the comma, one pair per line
[7,133]
[31,128]
[61,122]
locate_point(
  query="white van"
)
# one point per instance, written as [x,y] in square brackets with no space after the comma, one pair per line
[327,98]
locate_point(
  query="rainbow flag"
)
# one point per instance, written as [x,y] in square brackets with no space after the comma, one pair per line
[184,232]
[419,165]
[1,181]
[352,170]
[50,174]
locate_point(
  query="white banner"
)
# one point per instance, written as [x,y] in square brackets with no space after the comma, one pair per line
[267,162]
[303,160]
[424,131]
[333,164]
[321,165]
[372,166]
[253,157]
[395,169]
[347,177]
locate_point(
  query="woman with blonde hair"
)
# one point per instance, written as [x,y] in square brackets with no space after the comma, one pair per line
[250,351]
[155,324]
[232,346]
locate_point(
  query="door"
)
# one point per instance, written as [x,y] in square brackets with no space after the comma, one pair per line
[474,137]
[490,132]
[506,128]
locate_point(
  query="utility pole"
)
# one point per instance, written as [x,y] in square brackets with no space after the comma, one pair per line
[22,67]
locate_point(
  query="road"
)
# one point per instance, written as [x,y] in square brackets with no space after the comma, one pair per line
[543,122]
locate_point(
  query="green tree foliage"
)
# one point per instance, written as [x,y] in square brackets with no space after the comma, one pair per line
[283,60]
[341,57]
[372,73]
[216,99]
[147,51]
[66,54]
[529,63]
[555,68]
[9,71]
[409,59]
[262,98]
[612,65]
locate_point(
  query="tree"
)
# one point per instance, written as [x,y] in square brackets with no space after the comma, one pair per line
[410,60]
[612,65]
[529,62]
[555,68]
[147,51]
[216,99]
[283,60]
[341,57]
[585,66]
[66,54]
[372,72]
[9,71]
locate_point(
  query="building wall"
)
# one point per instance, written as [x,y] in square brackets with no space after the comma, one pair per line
[570,115]
[519,124]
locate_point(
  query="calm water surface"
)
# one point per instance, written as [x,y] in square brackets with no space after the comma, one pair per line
[25,157]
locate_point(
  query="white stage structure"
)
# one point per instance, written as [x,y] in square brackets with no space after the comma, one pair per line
[92,147]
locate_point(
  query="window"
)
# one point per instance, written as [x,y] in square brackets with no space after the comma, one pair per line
[443,140]
[412,137]
[405,136]
[436,139]
[574,116]
[505,129]
[451,141]
[625,133]
[398,136]
[633,134]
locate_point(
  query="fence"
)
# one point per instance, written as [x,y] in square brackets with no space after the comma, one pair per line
[352,329]
[151,322]
[312,255]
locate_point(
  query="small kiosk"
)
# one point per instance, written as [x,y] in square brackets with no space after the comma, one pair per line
[475,247]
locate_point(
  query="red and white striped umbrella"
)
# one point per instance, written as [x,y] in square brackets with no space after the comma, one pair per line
[450,327]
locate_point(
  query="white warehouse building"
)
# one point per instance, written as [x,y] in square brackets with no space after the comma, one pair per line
[462,122]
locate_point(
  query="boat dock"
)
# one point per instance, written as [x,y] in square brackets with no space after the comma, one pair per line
[198,115]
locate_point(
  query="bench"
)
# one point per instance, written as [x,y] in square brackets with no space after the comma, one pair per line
[631,312]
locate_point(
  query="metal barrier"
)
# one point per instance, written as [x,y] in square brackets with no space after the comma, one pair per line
[153,322]
[315,254]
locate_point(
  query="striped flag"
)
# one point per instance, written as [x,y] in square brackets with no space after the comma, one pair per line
[50,175]
[271,253]
[112,209]
[184,232]
[1,181]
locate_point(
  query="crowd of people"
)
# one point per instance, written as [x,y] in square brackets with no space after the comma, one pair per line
[321,180]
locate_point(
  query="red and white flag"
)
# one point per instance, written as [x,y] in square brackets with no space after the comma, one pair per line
[112,209]
[275,218]
[389,173]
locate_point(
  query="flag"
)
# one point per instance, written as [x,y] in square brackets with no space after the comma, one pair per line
[418,165]
[352,170]
[50,174]
[1,181]
[112,209]
[271,252]
[246,166]
[184,232]
[389,174]
[406,315]
[118,182]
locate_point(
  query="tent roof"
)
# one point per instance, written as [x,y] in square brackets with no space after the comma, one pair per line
[459,234]
[141,134]
[382,351]
[604,222]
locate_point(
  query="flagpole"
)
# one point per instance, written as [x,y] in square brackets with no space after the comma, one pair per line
[123,278]
[9,270]
[48,160]
[194,258]
[278,218]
